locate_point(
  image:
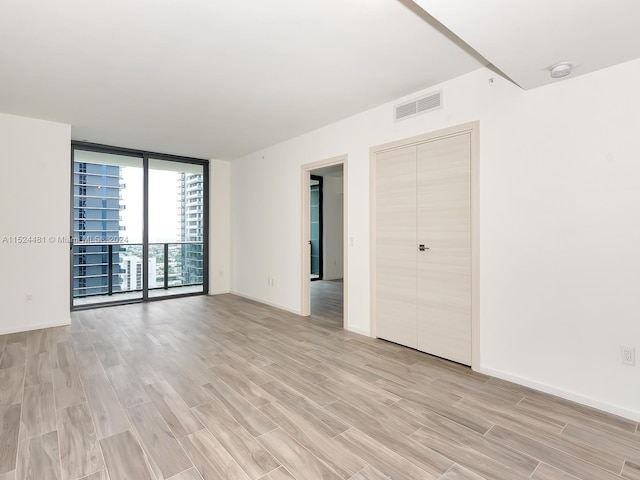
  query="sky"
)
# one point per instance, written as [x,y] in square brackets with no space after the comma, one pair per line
[164,216]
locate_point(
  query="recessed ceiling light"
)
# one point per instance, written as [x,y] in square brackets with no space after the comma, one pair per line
[560,70]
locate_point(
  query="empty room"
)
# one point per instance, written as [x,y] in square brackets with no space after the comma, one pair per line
[340,239]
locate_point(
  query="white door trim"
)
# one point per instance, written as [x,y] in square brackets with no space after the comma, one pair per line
[305,273]
[473,129]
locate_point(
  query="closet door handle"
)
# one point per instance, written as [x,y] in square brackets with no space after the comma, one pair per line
[422,248]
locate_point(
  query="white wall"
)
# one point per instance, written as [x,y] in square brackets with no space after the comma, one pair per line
[560,224]
[35,160]
[219,226]
[332,226]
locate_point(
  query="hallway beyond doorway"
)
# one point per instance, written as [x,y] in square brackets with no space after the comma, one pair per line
[327,301]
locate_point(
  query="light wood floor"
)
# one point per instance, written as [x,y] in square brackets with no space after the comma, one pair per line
[327,302]
[225,388]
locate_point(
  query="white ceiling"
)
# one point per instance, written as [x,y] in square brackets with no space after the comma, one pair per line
[223,78]
[523,38]
[213,78]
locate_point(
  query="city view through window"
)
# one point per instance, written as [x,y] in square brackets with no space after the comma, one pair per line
[108,222]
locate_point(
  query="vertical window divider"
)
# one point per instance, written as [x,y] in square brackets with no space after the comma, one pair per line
[205,234]
[145,227]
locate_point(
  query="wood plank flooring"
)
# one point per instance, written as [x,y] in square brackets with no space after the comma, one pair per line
[224,388]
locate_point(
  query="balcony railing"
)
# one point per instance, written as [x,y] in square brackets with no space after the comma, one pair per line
[107,269]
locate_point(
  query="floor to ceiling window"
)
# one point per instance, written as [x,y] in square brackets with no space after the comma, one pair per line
[140,225]
[176,226]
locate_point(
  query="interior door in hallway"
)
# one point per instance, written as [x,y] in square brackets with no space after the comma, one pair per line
[444,266]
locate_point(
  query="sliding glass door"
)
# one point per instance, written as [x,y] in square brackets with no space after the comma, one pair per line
[140,226]
[176,227]
[107,227]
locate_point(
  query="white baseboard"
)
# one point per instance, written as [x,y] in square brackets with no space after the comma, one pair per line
[219,292]
[359,331]
[266,302]
[574,397]
[37,326]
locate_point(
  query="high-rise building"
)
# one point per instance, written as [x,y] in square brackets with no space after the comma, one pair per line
[190,201]
[131,272]
[96,220]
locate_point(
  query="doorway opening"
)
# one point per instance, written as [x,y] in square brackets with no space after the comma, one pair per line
[324,231]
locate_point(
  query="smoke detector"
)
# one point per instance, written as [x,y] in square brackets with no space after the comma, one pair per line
[560,70]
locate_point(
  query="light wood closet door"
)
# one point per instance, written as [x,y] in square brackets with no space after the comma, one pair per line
[444,226]
[396,251]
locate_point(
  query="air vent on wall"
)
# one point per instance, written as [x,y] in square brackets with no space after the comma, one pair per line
[420,105]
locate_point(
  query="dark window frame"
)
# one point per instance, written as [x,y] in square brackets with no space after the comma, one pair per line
[145,156]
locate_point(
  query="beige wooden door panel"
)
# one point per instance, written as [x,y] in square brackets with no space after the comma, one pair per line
[396,248]
[444,226]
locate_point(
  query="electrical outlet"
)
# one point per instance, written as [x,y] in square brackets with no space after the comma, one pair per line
[28,297]
[628,355]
